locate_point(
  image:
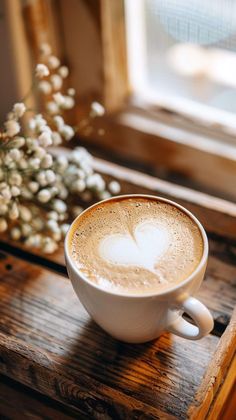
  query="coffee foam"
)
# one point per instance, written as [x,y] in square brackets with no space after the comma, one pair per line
[136,245]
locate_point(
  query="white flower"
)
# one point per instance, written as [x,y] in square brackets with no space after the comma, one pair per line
[38,123]
[15,179]
[103,195]
[25,213]
[45,87]
[45,49]
[3,209]
[52,107]
[63,71]
[41,178]
[59,99]
[59,206]
[46,129]
[15,191]
[44,195]
[80,174]
[62,216]
[68,102]
[3,225]
[49,245]
[57,235]
[45,139]
[12,128]
[15,154]
[33,186]
[37,223]
[32,124]
[39,152]
[27,194]
[34,241]
[8,160]
[97,110]
[34,163]
[11,116]
[56,138]
[32,144]
[47,161]
[59,122]
[77,155]
[62,162]
[53,62]
[50,176]
[71,92]
[5,193]
[41,71]
[18,142]
[63,192]
[64,229]
[3,185]
[13,212]
[96,182]
[79,185]
[23,164]
[15,233]
[54,190]
[52,225]
[19,109]
[67,132]
[26,229]
[56,81]
[114,187]
[80,154]
[53,215]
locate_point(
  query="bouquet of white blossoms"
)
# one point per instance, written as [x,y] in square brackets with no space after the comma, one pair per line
[39,189]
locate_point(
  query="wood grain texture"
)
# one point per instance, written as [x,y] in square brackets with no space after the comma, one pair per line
[229,408]
[220,276]
[226,397]
[18,402]
[216,372]
[49,343]
[114,53]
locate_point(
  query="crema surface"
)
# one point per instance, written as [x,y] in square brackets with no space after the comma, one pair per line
[136,245]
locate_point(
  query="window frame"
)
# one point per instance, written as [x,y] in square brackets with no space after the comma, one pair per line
[176,144]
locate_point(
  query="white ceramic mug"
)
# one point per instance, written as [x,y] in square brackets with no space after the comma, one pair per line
[140,318]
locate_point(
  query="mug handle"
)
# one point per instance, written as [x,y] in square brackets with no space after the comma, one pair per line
[200,315]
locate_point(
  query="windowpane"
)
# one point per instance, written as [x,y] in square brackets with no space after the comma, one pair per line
[184,49]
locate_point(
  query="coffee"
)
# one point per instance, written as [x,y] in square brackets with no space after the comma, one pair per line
[136,245]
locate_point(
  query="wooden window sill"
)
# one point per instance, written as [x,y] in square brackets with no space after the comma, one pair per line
[162,145]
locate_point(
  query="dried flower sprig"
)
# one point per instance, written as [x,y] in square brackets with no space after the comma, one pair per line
[38,189]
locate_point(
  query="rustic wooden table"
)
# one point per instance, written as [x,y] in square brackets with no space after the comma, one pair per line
[57,364]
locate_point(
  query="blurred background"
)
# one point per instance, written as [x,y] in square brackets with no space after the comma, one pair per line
[164,70]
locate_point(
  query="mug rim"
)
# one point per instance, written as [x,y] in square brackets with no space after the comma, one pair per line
[69,259]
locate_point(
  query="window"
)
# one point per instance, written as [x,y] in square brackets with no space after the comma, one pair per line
[170,118]
[182,55]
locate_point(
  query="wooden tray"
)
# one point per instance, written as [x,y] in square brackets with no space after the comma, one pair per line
[49,343]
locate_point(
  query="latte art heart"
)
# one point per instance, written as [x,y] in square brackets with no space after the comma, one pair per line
[143,248]
[136,245]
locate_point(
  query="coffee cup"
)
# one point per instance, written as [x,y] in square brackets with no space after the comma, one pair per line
[142,314]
